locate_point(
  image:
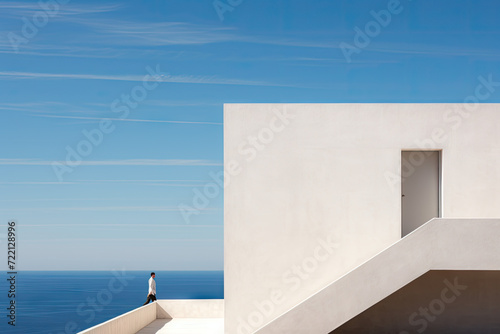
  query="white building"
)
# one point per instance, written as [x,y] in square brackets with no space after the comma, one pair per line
[314,192]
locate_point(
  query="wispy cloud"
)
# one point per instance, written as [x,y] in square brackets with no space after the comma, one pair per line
[133,36]
[49,51]
[35,183]
[432,49]
[90,51]
[119,32]
[109,208]
[71,240]
[123,162]
[140,225]
[45,107]
[191,79]
[291,41]
[36,75]
[140,33]
[164,103]
[14,9]
[119,37]
[131,181]
[164,183]
[144,199]
[128,119]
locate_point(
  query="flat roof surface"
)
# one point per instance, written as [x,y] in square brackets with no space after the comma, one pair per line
[185,326]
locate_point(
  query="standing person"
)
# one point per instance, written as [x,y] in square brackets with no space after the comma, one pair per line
[152,289]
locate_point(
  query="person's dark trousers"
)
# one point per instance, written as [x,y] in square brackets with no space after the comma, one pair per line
[151,298]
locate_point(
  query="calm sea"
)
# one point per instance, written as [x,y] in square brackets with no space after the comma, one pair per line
[53,302]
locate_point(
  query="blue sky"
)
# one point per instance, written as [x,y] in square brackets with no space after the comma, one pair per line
[120,207]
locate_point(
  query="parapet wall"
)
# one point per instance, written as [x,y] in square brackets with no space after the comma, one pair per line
[133,321]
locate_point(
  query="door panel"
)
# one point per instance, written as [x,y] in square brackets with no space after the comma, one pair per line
[420,182]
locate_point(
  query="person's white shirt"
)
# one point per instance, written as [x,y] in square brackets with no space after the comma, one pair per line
[152,287]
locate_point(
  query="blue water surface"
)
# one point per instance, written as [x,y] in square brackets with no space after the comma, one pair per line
[56,302]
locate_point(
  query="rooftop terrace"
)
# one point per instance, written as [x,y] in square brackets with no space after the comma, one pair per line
[168,317]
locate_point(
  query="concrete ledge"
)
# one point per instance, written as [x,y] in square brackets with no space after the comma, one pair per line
[189,308]
[128,323]
[135,320]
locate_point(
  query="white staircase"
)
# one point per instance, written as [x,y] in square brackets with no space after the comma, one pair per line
[440,244]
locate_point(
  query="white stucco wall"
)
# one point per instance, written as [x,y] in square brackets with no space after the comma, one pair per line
[318,192]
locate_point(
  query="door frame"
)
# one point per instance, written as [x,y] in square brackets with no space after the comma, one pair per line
[440,181]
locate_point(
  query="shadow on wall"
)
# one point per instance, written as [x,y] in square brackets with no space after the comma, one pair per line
[438,302]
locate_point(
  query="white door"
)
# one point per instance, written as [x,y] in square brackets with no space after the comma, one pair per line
[420,188]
